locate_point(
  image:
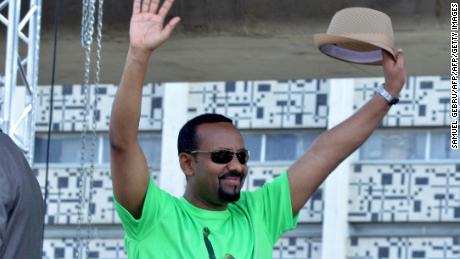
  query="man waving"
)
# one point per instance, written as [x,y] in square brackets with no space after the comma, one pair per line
[214,219]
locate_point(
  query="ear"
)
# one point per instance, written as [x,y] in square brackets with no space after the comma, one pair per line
[186,161]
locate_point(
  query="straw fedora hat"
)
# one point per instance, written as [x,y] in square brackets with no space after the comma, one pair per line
[357,35]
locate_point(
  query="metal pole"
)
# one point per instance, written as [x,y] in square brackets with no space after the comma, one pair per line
[32,71]
[17,117]
[14,8]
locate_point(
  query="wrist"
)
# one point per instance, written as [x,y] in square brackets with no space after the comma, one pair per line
[392,89]
[139,55]
[389,97]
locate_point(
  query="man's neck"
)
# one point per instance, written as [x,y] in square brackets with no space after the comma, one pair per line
[202,203]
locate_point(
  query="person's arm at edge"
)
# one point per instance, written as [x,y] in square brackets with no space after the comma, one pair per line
[336,144]
[129,169]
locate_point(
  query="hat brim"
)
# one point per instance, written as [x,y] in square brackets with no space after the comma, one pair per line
[353,50]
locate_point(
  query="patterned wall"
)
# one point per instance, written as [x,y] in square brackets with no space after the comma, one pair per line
[404,192]
[404,247]
[97,249]
[407,192]
[64,195]
[424,101]
[69,107]
[297,248]
[264,104]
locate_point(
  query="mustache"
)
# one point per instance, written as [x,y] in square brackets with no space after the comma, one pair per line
[231,174]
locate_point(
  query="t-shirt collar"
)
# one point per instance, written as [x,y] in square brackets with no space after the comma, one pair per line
[203,213]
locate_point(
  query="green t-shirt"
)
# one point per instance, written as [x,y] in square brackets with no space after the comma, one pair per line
[173,228]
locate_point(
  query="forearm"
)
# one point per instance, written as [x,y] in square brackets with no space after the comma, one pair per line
[339,142]
[126,108]
[333,146]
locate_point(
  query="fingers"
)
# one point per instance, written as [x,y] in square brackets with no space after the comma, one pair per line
[396,62]
[165,8]
[394,71]
[400,60]
[145,5]
[168,29]
[153,6]
[387,58]
[137,6]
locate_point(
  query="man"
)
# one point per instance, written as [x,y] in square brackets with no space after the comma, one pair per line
[21,205]
[213,219]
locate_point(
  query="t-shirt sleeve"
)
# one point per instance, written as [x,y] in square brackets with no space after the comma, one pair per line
[273,201]
[156,205]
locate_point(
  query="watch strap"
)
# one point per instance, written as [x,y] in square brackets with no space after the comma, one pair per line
[390,99]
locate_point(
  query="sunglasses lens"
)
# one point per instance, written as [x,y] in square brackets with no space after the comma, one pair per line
[221,156]
[225,156]
[243,156]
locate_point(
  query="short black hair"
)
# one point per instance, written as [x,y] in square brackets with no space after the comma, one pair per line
[187,141]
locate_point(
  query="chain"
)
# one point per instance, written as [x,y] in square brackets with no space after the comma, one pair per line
[87,22]
[94,110]
[99,41]
[86,174]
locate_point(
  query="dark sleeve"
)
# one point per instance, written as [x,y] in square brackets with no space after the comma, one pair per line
[6,197]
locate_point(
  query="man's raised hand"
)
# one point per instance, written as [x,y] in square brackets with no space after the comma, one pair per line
[394,71]
[146,29]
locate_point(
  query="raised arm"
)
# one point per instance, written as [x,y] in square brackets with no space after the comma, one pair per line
[333,146]
[128,165]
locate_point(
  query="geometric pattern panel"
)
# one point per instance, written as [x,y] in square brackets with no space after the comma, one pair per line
[424,101]
[69,107]
[404,192]
[263,104]
[68,248]
[64,196]
[297,248]
[312,212]
[404,247]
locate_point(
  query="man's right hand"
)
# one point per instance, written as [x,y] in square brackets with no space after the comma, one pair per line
[146,31]
[394,71]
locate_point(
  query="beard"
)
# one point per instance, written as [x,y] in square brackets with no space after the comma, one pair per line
[229,196]
[233,194]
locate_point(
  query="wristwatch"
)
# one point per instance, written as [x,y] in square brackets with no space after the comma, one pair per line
[390,99]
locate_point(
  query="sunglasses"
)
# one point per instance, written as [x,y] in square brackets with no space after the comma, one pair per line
[223,156]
